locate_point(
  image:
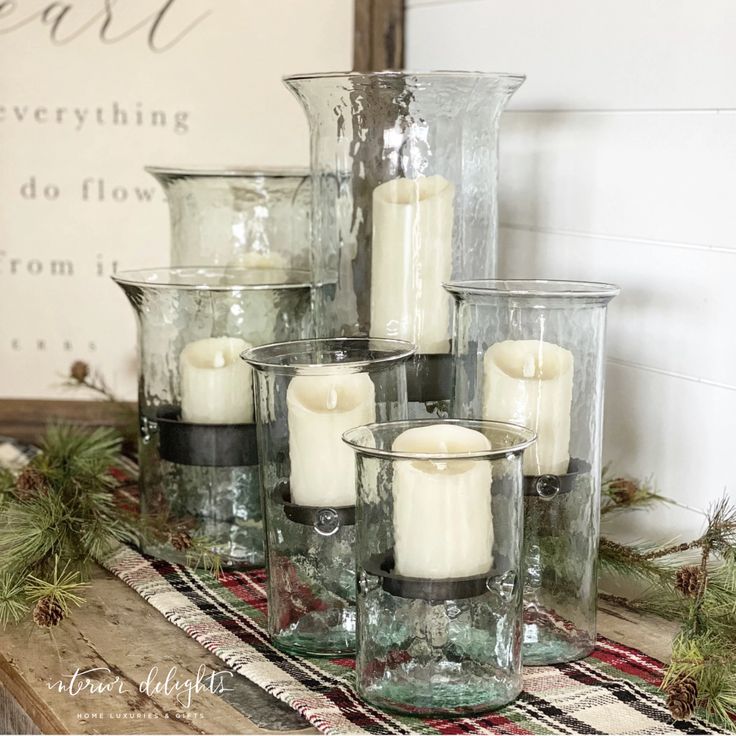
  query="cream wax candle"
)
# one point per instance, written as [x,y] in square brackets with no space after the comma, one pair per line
[411,257]
[529,382]
[320,409]
[443,526]
[216,385]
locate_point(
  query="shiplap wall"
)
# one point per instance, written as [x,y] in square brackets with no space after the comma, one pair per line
[618,163]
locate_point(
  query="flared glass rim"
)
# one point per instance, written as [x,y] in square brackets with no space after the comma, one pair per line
[534,288]
[162,278]
[526,437]
[269,357]
[515,78]
[228,172]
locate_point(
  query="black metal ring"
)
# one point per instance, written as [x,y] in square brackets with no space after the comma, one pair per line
[325,520]
[382,566]
[210,445]
[549,485]
[429,377]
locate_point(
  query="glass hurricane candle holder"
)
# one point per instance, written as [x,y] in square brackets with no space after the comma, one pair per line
[239,218]
[531,353]
[199,480]
[308,393]
[439,536]
[404,175]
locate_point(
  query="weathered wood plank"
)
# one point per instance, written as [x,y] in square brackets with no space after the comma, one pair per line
[26,419]
[118,632]
[378,35]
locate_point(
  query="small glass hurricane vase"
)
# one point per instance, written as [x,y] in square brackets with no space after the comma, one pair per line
[404,176]
[439,527]
[532,353]
[199,478]
[307,394]
[238,218]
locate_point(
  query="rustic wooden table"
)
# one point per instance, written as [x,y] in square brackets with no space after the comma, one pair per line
[120,633]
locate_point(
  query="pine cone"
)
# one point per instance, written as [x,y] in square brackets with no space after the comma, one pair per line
[682,697]
[687,581]
[29,482]
[181,541]
[79,371]
[48,613]
[623,490]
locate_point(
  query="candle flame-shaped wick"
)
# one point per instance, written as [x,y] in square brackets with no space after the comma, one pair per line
[529,369]
[332,398]
[218,359]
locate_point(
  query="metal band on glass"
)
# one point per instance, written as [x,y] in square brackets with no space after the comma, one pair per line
[326,520]
[502,581]
[548,486]
[429,377]
[210,445]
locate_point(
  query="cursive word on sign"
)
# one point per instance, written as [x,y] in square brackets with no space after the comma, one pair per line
[110,20]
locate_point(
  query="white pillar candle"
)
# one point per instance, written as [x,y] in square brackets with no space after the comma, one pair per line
[411,258]
[216,385]
[443,526]
[320,409]
[529,382]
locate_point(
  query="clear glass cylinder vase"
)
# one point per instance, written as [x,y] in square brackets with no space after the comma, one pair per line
[439,541]
[532,353]
[199,479]
[307,394]
[238,218]
[404,177]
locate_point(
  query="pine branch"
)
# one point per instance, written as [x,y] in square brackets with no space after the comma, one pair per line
[632,561]
[13,599]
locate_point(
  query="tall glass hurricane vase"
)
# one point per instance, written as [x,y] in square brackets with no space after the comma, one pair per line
[308,393]
[531,353]
[198,455]
[239,218]
[404,176]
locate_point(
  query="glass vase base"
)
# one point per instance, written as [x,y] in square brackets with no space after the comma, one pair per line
[442,699]
[334,645]
[232,556]
[553,647]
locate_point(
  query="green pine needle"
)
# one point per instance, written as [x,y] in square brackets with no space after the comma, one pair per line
[201,554]
[62,587]
[13,599]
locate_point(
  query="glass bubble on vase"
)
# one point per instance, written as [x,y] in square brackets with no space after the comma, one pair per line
[439,542]
[308,393]
[238,218]
[199,476]
[404,176]
[532,353]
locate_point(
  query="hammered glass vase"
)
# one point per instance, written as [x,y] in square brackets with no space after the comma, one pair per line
[532,353]
[199,479]
[404,176]
[439,541]
[308,393]
[238,218]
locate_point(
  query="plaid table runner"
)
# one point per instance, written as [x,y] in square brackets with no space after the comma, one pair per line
[614,691]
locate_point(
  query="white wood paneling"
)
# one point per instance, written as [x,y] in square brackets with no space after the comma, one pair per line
[666,177]
[678,431]
[628,54]
[675,313]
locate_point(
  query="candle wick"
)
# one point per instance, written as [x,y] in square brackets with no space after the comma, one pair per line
[218,359]
[332,398]
[529,368]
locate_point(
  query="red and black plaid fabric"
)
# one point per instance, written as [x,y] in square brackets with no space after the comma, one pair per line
[614,691]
